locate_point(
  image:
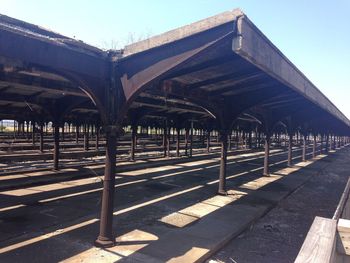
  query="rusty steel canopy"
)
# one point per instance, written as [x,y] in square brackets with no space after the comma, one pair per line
[219,68]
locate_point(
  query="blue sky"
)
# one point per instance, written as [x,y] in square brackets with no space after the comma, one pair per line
[314,35]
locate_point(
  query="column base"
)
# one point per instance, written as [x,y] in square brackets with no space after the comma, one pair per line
[222,192]
[104,242]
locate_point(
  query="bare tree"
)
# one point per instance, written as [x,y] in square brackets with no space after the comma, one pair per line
[131,37]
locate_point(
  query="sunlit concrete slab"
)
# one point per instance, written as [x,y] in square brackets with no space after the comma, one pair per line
[203,229]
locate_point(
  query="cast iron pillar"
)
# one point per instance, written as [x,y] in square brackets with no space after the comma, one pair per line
[327,143]
[290,148]
[86,137]
[165,140]
[304,148]
[56,147]
[331,145]
[27,122]
[168,143]
[186,140]
[177,142]
[33,132]
[106,238]
[191,139]
[267,155]
[335,142]
[223,160]
[250,139]
[314,147]
[97,137]
[77,133]
[133,142]
[63,131]
[208,141]
[41,138]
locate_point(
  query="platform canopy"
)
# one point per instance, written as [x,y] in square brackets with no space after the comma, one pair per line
[220,74]
[220,70]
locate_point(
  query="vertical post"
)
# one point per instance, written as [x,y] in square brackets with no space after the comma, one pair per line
[327,143]
[41,138]
[133,142]
[304,148]
[177,142]
[331,145]
[191,139]
[250,139]
[165,138]
[106,238]
[56,147]
[22,130]
[314,147]
[97,137]
[168,143]
[63,131]
[223,160]
[297,140]
[290,148]
[70,130]
[33,132]
[267,155]
[77,133]
[14,129]
[335,143]
[186,141]
[27,122]
[173,137]
[208,141]
[86,137]
[229,141]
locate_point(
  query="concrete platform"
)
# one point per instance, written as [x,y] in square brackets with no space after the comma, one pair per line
[163,214]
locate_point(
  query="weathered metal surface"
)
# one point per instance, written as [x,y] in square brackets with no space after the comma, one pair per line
[254,46]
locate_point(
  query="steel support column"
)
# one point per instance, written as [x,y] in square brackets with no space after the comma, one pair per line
[267,155]
[290,149]
[331,145]
[314,147]
[177,142]
[97,137]
[41,138]
[191,139]
[250,139]
[86,137]
[27,133]
[304,148]
[77,134]
[223,160]
[208,141]
[186,141]
[33,132]
[327,143]
[106,237]
[133,142]
[165,140]
[168,143]
[63,131]
[56,148]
